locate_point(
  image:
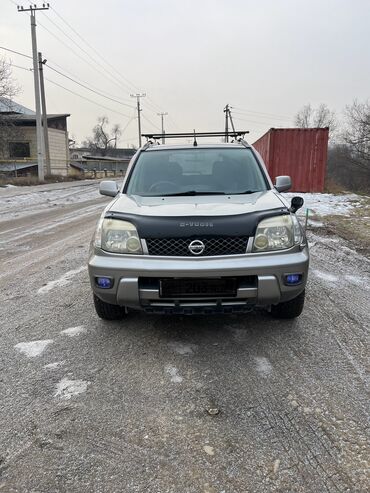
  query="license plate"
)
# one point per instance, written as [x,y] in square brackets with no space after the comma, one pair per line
[182,288]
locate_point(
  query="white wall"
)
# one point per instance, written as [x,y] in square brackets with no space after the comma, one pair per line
[59,155]
[58,145]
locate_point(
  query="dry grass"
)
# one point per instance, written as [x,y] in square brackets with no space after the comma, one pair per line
[332,187]
[354,227]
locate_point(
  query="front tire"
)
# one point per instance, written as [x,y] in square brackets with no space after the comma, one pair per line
[289,309]
[106,311]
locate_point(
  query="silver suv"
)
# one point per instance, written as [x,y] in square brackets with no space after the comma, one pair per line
[198,229]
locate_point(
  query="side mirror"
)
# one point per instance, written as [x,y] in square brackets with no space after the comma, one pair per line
[283,183]
[296,204]
[108,187]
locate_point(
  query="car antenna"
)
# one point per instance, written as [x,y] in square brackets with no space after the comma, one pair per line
[195,140]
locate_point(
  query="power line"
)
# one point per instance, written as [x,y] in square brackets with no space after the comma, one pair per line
[83,97]
[262,117]
[151,103]
[151,123]
[76,78]
[79,95]
[82,84]
[244,110]
[84,51]
[173,122]
[23,68]
[78,55]
[14,3]
[87,99]
[248,110]
[131,85]
[128,123]
[104,73]
[259,124]
[17,52]
[126,82]
[89,88]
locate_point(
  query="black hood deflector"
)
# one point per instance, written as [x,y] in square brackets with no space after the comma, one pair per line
[195,226]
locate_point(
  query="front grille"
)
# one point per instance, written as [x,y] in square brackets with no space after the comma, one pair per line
[179,247]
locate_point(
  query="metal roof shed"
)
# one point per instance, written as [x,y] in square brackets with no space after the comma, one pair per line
[298,152]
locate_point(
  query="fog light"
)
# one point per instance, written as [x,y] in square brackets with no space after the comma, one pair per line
[104,282]
[292,279]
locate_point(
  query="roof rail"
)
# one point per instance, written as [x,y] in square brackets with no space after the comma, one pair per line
[236,134]
[243,142]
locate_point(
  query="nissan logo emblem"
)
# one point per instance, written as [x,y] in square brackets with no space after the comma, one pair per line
[196,247]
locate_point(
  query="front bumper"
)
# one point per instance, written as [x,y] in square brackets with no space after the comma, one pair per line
[130,273]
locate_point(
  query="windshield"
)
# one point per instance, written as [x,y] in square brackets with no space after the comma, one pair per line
[196,172]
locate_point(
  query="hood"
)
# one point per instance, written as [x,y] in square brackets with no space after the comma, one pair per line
[201,205]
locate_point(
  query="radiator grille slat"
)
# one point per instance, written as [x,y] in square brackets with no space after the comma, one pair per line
[213,246]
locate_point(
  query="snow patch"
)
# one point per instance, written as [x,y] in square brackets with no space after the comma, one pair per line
[53,366]
[74,331]
[33,348]
[67,219]
[69,388]
[174,374]
[328,203]
[27,202]
[315,224]
[181,348]
[263,366]
[62,281]
[358,281]
[209,450]
[325,276]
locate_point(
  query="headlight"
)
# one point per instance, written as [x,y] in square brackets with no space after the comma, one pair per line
[277,233]
[117,236]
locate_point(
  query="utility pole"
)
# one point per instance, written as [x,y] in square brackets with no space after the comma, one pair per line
[231,121]
[162,115]
[138,96]
[40,158]
[226,111]
[44,115]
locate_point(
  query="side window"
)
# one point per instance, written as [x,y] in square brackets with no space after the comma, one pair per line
[19,149]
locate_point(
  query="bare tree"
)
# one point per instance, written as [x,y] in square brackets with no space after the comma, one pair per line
[349,159]
[321,117]
[357,132]
[304,117]
[345,171]
[102,139]
[8,89]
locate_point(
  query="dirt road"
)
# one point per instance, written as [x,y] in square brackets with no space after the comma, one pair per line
[172,404]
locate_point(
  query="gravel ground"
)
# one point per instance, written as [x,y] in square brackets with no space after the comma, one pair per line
[173,404]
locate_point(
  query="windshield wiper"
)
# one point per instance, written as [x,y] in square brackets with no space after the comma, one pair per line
[246,192]
[189,192]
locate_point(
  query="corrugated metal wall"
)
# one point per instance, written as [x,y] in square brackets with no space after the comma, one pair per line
[298,152]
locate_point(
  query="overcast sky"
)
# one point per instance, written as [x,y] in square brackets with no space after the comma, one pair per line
[266,58]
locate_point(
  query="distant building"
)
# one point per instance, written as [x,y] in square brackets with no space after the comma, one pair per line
[115,159]
[78,153]
[18,139]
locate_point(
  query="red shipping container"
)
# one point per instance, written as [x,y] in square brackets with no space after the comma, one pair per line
[300,153]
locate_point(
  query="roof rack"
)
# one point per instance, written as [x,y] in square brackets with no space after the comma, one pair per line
[235,134]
